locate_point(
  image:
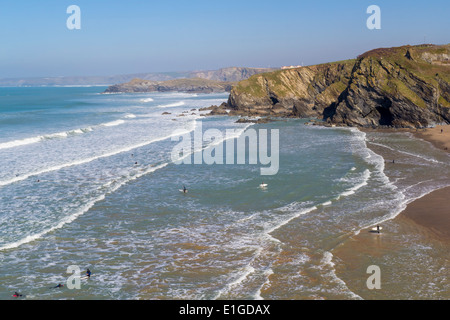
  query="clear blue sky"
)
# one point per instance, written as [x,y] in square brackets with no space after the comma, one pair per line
[118,37]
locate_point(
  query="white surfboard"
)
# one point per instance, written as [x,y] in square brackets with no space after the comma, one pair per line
[376,229]
[263,185]
[182,191]
[85,277]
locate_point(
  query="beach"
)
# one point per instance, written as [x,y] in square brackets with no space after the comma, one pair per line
[419,232]
[113,204]
[432,211]
[439,136]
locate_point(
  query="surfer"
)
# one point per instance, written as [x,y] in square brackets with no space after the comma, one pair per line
[184,189]
[378,229]
[58,286]
[17,295]
[88,273]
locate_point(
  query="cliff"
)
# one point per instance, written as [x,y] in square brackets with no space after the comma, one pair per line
[195,85]
[406,86]
[193,81]
[232,74]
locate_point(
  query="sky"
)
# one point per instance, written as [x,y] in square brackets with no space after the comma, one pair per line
[139,36]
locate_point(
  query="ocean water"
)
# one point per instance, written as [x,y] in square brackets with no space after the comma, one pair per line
[87,179]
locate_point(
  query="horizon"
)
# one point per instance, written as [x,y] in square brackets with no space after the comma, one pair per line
[138,38]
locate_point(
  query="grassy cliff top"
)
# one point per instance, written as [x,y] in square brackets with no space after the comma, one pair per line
[427,62]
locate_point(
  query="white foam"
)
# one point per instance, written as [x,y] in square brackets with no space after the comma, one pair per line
[296,215]
[81,211]
[245,272]
[16,143]
[171,105]
[267,274]
[130,116]
[327,261]
[113,123]
[87,160]
[147,100]
[408,153]
[40,138]
[352,190]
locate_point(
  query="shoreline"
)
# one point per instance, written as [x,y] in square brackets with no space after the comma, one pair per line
[430,211]
[439,139]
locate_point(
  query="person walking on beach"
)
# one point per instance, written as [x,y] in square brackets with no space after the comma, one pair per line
[378,229]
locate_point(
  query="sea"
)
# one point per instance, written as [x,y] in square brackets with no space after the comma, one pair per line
[89,181]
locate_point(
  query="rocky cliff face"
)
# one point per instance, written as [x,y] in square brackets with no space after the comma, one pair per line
[232,74]
[402,87]
[180,85]
[193,81]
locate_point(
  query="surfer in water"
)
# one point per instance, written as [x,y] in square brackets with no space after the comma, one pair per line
[17,295]
[184,189]
[58,286]
[88,273]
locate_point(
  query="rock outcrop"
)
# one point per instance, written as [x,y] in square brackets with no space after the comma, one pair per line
[195,85]
[406,86]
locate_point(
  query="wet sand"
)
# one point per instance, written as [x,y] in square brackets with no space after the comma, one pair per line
[433,212]
[428,218]
[438,136]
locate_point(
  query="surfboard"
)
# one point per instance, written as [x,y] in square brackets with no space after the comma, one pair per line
[182,191]
[85,277]
[263,185]
[376,229]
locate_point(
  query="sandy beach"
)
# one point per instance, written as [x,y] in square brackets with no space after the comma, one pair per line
[425,221]
[432,211]
[439,136]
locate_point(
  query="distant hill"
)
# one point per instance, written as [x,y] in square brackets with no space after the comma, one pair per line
[406,86]
[226,75]
[192,85]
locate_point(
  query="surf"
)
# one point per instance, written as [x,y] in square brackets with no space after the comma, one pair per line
[110,188]
[25,176]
